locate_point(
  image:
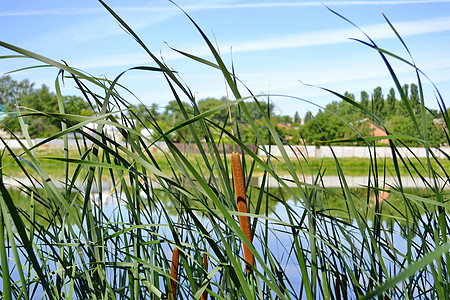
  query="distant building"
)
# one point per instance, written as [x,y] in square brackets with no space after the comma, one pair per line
[111,130]
[147,132]
[378,131]
[438,121]
[375,129]
[282,125]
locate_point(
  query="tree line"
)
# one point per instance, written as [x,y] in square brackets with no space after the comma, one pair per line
[23,95]
[339,120]
[392,113]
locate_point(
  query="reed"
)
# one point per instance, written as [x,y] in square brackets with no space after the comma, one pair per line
[241,200]
[205,265]
[319,243]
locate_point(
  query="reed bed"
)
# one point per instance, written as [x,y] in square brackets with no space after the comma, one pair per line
[69,244]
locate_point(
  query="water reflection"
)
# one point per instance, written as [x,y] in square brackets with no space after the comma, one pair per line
[41,209]
[325,181]
[331,204]
[263,198]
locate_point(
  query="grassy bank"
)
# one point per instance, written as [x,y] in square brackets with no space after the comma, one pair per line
[354,166]
[140,250]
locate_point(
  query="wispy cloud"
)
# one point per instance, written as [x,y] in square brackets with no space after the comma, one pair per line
[210,6]
[52,12]
[300,40]
[327,37]
[308,4]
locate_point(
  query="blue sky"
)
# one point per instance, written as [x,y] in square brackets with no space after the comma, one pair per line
[276,45]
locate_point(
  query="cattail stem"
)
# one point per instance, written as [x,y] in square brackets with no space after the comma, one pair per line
[244,221]
[337,289]
[205,265]
[174,272]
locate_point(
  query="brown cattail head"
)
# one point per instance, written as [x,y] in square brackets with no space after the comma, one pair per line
[174,272]
[244,221]
[205,265]
[205,261]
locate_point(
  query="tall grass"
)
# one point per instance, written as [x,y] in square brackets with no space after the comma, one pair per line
[301,250]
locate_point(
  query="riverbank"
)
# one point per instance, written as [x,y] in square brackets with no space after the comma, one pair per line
[52,160]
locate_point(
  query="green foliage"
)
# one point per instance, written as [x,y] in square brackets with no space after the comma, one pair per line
[11,90]
[332,123]
[23,97]
[377,101]
[324,127]
[364,99]
[329,124]
[308,117]
[390,104]
[296,118]
[75,105]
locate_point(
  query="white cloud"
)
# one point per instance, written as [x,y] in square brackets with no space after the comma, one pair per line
[327,37]
[102,25]
[316,38]
[52,12]
[307,4]
[210,6]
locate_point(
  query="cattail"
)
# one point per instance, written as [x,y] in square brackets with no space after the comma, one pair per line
[337,288]
[174,272]
[244,221]
[205,265]
[344,287]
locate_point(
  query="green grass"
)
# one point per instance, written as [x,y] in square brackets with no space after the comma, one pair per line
[359,166]
[311,247]
[350,166]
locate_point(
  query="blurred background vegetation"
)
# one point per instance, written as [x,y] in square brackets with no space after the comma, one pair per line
[327,124]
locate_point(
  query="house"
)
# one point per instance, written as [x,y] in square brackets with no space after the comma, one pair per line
[287,125]
[378,131]
[375,129]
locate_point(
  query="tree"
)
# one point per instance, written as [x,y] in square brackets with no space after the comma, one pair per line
[324,127]
[348,112]
[308,117]
[154,110]
[390,103]
[414,99]
[11,90]
[378,102]
[296,118]
[44,101]
[75,105]
[219,117]
[349,96]
[405,88]
[284,119]
[173,115]
[364,99]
